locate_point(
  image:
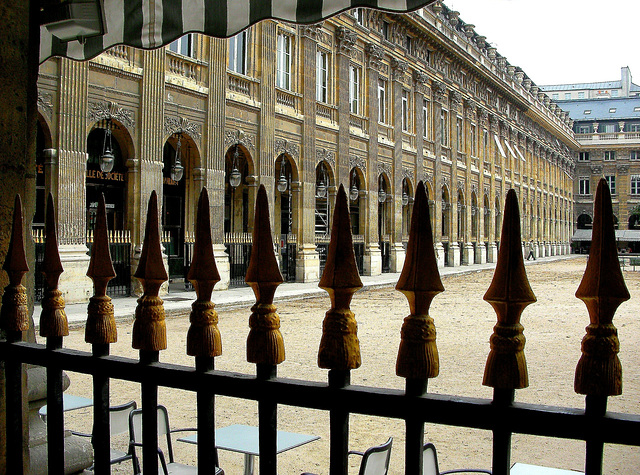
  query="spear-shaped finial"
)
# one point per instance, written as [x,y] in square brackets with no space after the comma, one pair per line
[264,343]
[419,282]
[14,315]
[339,346]
[508,294]
[203,337]
[602,289]
[149,328]
[101,323]
[53,319]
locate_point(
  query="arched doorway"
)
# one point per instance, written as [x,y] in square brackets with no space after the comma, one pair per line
[285,215]
[237,207]
[384,221]
[107,174]
[446,223]
[173,205]
[498,220]
[487,218]
[474,217]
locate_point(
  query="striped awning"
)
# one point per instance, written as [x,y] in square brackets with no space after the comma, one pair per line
[622,235]
[150,24]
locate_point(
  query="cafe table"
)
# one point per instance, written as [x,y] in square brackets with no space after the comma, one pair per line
[244,439]
[526,469]
[69,403]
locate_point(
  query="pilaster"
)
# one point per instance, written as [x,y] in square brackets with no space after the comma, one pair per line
[72,163]
[397,256]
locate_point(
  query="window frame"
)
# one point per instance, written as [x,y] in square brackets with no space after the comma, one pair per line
[584,185]
[611,181]
[382,100]
[355,75]
[444,127]
[583,157]
[233,62]
[176,46]
[425,118]
[322,76]
[284,59]
[609,155]
[406,118]
[635,185]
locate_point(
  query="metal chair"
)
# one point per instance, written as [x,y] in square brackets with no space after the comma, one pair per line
[375,460]
[430,463]
[118,424]
[168,468]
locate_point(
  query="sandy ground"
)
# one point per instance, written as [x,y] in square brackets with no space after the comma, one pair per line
[554,327]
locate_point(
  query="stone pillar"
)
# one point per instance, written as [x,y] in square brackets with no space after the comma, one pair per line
[345,40]
[481,253]
[307,259]
[438,92]
[397,252]
[372,252]
[213,153]
[72,165]
[151,147]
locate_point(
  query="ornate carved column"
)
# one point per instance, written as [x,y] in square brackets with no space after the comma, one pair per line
[372,253]
[453,259]
[214,150]
[399,69]
[481,248]
[345,40]
[439,91]
[72,165]
[307,259]
[492,249]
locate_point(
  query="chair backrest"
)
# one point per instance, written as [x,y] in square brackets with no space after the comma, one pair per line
[119,417]
[375,460]
[429,460]
[135,427]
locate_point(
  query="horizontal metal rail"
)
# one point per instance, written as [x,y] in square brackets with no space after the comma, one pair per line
[476,413]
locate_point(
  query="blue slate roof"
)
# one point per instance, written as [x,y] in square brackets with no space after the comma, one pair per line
[625,108]
[583,86]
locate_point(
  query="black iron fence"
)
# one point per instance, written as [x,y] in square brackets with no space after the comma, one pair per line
[288,247]
[322,247]
[120,248]
[358,249]
[385,251]
[501,415]
[238,246]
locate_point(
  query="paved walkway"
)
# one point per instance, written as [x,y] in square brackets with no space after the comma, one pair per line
[178,302]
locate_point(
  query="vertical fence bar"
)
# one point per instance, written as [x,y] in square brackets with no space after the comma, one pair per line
[599,371]
[339,350]
[418,353]
[53,327]
[149,330]
[265,346]
[100,331]
[203,337]
[14,320]
[509,294]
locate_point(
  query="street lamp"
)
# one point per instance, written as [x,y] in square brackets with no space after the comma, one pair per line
[235,177]
[382,195]
[321,186]
[353,191]
[282,181]
[107,158]
[177,170]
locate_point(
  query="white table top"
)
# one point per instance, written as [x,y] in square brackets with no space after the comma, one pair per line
[244,439]
[526,469]
[69,403]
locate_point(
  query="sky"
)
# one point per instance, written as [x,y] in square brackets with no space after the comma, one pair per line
[560,41]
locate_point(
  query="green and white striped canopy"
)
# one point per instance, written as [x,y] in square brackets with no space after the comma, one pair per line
[153,23]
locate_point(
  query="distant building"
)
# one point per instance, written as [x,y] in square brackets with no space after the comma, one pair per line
[606,119]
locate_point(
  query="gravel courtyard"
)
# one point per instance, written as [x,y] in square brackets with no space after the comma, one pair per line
[554,327]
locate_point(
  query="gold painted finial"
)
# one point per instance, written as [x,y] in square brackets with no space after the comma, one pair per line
[53,319]
[101,323]
[339,346]
[14,316]
[508,294]
[420,283]
[203,337]
[602,289]
[264,343]
[149,328]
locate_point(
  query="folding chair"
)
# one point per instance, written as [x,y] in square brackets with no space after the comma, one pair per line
[375,460]
[118,424]
[430,463]
[172,467]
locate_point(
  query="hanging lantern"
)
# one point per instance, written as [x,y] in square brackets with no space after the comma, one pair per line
[107,158]
[282,181]
[405,198]
[177,170]
[235,177]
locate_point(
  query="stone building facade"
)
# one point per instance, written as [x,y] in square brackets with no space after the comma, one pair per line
[606,119]
[372,101]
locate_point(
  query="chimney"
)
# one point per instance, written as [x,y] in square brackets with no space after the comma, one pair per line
[626,81]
